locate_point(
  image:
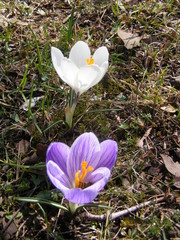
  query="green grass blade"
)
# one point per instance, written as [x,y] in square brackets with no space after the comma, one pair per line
[41,200]
[70,30]
[24,80]
[99,111]
[94,205]
[39,65]
[52,125]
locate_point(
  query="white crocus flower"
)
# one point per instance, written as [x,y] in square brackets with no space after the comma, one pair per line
[81,71]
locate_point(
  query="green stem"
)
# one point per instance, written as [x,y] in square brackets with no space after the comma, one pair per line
[75,103]
[69,112]
[73,207]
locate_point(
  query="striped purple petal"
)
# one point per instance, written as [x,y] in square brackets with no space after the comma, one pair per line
[80,196]
[85,148]
[58,152]
[109,150]
[63,163]
[57,176]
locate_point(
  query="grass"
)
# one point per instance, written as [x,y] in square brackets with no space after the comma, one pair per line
[128,102]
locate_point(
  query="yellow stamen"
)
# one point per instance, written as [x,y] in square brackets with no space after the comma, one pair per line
[90,61]
[79,181]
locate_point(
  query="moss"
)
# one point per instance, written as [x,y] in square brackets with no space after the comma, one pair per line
[110,87]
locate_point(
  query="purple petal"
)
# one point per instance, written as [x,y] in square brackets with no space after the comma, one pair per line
[109,150]
[57,176]
[96,176]
[80,196]
[58,152]
[85,148]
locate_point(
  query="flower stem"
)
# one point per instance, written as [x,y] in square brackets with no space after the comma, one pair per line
[73,207]
[76,98]
[69,112]
[68,116]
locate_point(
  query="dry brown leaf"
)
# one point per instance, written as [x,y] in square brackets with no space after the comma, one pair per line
[177,133]
[176,82]
[130,40]
[10,230]
[172,167]
[178,202]
[140,142]
[23,146]
[168,108]
[31,159]
[178,152]
[177,182]
[41,151]
[12,21]
[36,157]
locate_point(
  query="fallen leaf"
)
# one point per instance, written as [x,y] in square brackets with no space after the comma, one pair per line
[126,183]
[23,146]
[168,108]
[178,202]
[177,134]
[25,106]
[172,167]
[178,152]
[177,182]
[41,12]
[12,228]
[176,82]
[130,40]
[31,159]
[39,155]
[41,151]
[12,21]
[140,142]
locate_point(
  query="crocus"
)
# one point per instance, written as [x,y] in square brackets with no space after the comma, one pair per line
[81,71]
[82,170]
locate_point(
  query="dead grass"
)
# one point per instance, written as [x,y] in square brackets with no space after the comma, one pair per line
[140,94]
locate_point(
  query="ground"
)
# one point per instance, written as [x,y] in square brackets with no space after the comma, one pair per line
[136,104]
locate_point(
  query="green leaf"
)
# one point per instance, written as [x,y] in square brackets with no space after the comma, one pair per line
[94,205]
[41,200]
[124,126]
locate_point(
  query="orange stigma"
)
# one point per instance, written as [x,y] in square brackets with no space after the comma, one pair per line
[79,181]
[90,61]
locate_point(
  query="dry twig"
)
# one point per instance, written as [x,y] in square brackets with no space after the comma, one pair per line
[126,211]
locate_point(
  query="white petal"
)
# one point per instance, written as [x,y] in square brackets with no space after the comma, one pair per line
[56,56]
[101,55]
[103,70]
[87,76]
[69,73]
[79,53]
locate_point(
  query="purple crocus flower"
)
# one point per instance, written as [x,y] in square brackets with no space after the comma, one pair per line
[82,170]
